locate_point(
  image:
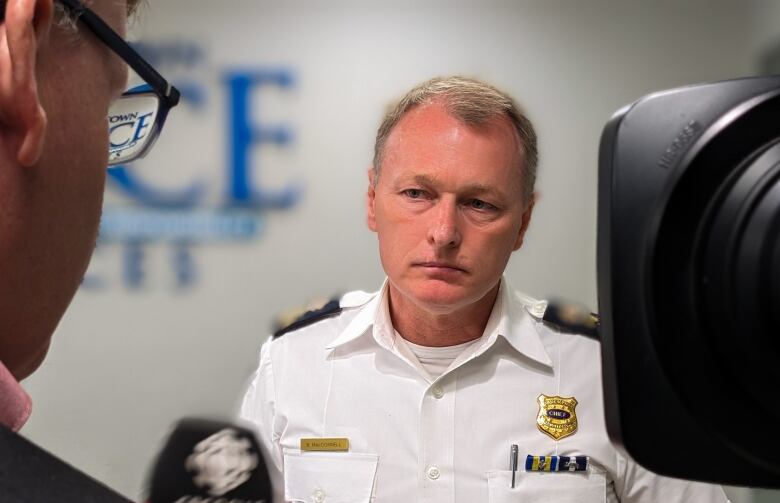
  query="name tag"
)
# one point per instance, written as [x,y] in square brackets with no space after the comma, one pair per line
[324,444]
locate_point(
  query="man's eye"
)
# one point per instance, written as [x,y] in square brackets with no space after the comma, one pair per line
[479,204]
[414,193]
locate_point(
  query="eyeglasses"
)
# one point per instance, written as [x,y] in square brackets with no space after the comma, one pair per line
[136,118]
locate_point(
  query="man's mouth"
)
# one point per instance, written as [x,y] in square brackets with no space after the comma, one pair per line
[442,267]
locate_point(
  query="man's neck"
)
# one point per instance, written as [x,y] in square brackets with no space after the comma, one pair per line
[426,328]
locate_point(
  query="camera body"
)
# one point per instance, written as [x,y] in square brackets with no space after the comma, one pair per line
[689,281]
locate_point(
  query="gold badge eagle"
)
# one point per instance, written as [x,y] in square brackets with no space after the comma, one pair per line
[557,417]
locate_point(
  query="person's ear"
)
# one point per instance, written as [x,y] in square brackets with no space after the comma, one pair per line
[526,219]
[371,200]
[22,118]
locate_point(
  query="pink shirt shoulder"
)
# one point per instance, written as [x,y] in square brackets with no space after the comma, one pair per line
[15,403]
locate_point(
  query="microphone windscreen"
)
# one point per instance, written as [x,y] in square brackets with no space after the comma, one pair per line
[206,461]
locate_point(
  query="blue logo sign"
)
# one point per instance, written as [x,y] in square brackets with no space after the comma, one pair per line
[181,217]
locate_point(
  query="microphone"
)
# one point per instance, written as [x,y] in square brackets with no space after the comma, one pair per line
[29,474]
[207,461]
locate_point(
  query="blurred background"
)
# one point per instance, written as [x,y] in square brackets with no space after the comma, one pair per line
[252,202]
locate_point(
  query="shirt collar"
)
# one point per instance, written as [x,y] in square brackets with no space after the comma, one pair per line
[15,403]
[509,319]
[363,320]
[517,325]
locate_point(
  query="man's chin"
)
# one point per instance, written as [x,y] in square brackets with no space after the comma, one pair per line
[443,297]
[440,297]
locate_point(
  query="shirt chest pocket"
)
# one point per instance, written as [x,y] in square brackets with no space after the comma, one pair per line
[329,477]
[550,487]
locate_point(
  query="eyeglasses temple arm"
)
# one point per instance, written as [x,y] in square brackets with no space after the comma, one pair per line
[169,94]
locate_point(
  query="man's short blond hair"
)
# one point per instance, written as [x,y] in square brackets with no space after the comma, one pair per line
[473,103]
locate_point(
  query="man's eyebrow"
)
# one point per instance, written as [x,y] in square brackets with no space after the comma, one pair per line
[493,193]
[471,189]
[477,188]
[418,179]
[424,179]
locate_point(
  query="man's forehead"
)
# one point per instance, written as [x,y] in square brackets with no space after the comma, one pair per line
[431,128]
[423,122]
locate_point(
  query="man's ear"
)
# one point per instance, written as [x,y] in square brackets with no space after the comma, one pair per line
[22,118]
[526,219]
[371,199]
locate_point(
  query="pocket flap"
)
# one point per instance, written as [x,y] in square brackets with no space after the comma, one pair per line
[329,477]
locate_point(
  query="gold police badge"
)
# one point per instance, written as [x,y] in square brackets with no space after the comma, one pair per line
[557,417]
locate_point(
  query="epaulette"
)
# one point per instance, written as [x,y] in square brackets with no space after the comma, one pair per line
[330,309]
[572,318]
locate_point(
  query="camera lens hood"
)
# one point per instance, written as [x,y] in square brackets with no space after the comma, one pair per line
[689,280]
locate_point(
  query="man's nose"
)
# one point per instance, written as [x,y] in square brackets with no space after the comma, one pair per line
[444,231]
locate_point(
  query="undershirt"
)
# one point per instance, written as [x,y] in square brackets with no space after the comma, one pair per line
[435,360]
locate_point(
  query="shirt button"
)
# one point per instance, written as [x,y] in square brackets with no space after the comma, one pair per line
[319,496]
[437,392]
[433,472]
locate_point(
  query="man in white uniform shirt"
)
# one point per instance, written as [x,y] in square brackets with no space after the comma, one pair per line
[420,391]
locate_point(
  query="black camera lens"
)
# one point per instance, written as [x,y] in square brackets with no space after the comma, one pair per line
[737,275]
[689,279]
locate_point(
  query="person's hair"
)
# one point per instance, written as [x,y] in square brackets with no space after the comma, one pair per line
[132,5]
[473,103]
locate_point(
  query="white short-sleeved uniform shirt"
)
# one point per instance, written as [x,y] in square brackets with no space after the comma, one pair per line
[413,438]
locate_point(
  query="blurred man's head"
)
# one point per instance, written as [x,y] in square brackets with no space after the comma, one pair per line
[57,81]
[451,193]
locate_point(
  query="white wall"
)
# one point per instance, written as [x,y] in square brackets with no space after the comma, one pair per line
[125,364]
